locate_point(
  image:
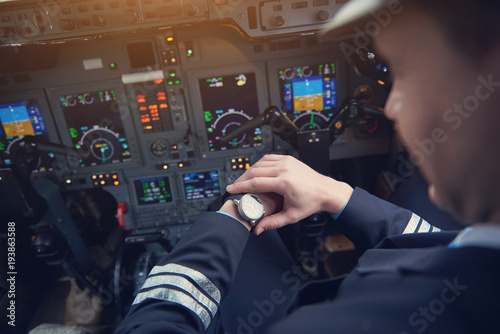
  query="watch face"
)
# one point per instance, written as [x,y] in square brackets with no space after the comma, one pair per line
[252,206]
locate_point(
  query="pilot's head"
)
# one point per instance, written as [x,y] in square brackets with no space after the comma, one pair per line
[444,56]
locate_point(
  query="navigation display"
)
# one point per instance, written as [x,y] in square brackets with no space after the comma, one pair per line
[201,184]
[309,94]
[95,127]
[19,119]
[229,102]
[153,190]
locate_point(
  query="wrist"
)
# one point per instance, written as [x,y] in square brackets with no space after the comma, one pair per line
[230,208]
[338,195]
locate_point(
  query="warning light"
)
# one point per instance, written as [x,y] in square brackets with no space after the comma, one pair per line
[170,39]
[140,98]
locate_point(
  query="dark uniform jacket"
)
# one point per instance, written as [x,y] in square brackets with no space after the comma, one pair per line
[409,280]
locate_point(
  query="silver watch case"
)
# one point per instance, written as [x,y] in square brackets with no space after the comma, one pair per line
[250,207]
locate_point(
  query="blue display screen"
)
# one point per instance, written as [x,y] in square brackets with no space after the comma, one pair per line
[309,94]
[19,119]
[200,185]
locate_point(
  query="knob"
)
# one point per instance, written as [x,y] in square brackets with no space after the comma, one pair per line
[159,148]
[323,15]
[130,16]
[99,20]
[279,20]
[67,24]
[190,10]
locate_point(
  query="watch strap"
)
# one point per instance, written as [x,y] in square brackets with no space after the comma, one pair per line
[227,196]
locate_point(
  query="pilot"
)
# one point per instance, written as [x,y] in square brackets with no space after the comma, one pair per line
[412,277]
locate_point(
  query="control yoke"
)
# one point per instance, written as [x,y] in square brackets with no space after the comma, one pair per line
[273,116]
[29,152]
[312,145]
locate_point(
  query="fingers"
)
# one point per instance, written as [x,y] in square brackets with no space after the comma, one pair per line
[273,157]
[256,185]
[280,219]
[271,222]
[258,171]
[287,177]
[263,167]
[270,166]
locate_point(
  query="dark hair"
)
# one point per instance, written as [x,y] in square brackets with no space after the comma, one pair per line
[473,26]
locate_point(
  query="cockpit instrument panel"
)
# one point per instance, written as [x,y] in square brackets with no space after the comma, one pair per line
[95,120]
[153,106]
[309,94]
[153,190]
[199,185]
[95,127]
[22,116]
[229,101]
[145,108]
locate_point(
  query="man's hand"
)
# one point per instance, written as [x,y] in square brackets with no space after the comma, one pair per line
[302,190]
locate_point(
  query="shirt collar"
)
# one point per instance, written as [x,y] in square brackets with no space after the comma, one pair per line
[481,235]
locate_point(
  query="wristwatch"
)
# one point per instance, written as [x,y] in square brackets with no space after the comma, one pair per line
[250,206]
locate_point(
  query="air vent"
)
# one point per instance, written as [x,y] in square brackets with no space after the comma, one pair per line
[311,41]
[252,17]
[285,45]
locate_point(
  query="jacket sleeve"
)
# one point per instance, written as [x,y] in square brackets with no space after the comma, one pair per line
[367,219]
[183,291]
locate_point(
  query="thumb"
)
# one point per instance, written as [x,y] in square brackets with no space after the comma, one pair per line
[271,222]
